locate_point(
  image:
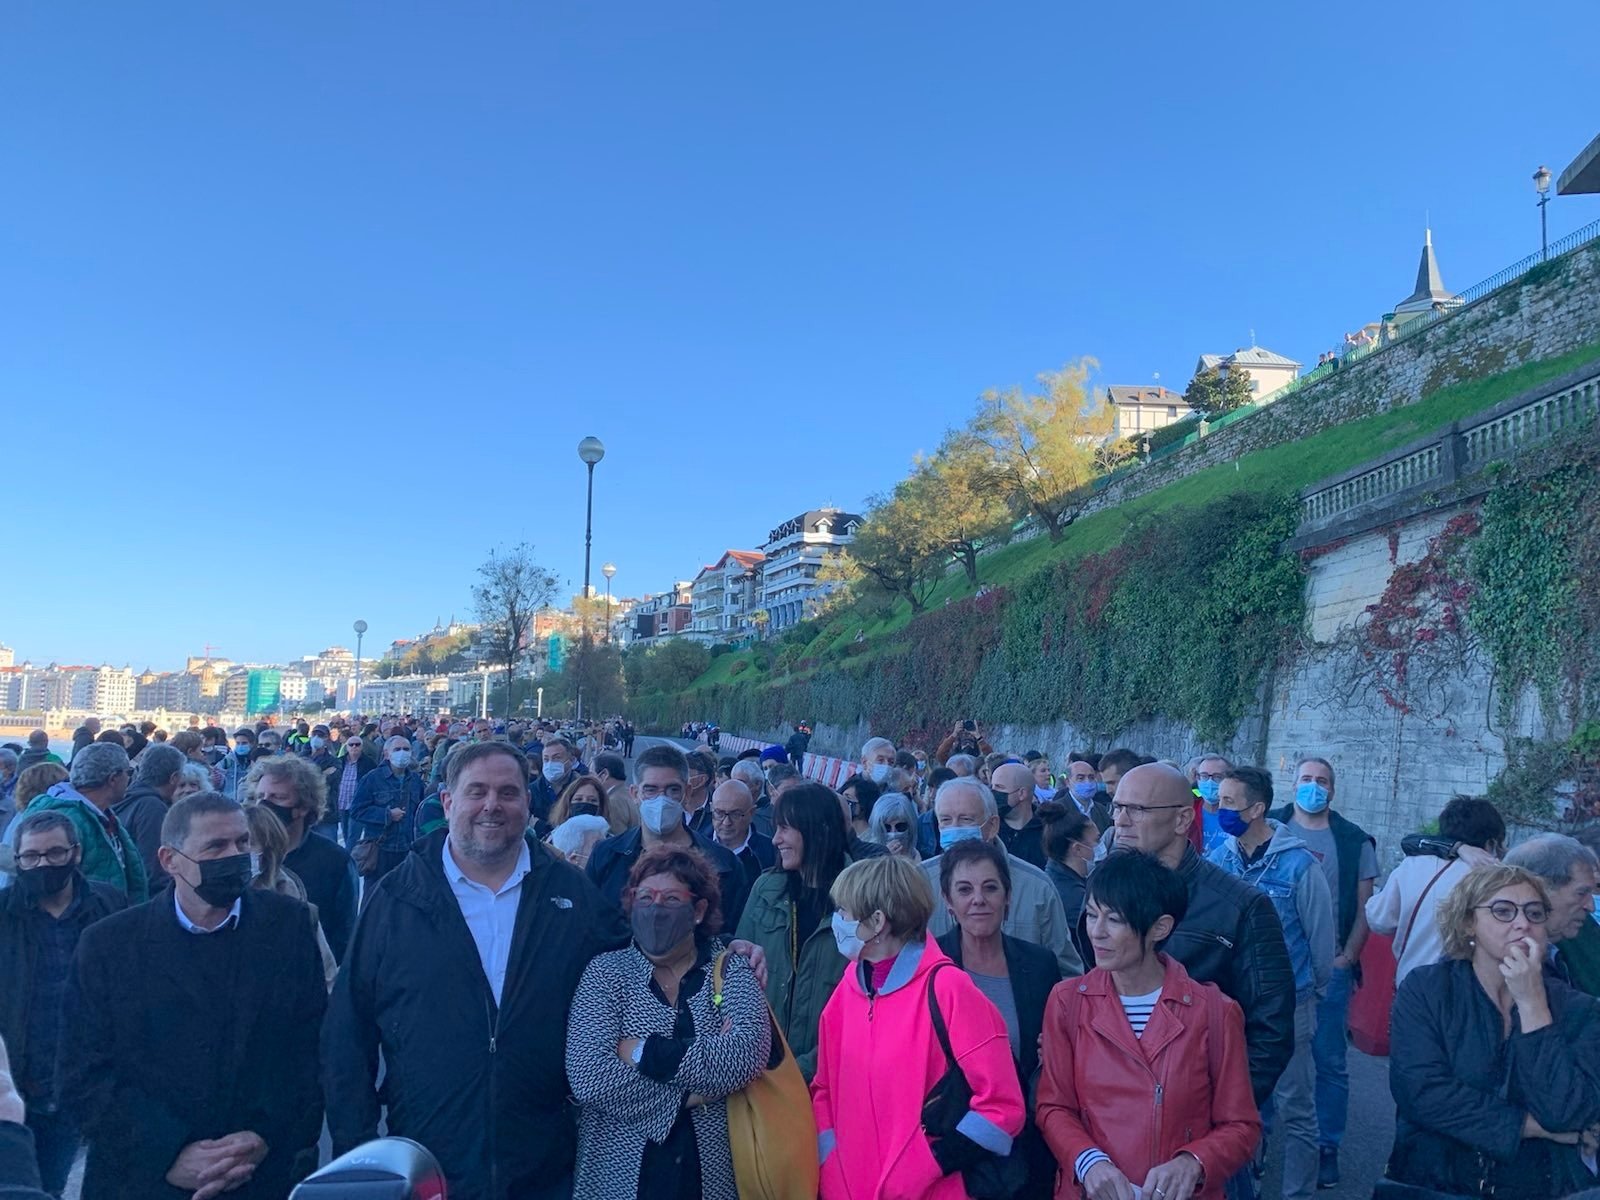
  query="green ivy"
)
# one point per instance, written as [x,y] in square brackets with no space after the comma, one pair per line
[1181,619]
[1533,568]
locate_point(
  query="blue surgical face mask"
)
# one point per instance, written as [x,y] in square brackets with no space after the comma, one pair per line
[1043,793]
[1311,797]
[1085,789]
[952,834]
[879,772]
[1208,789]
[318,741]
[847,936]
[1232,821]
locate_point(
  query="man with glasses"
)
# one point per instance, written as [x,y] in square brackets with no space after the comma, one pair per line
[99,779]
[1231,935]
[660,784]
[1207,773]
[41,919]
[1569,871]
[732,810]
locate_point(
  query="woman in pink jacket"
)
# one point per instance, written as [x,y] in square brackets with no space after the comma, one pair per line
[878,1055]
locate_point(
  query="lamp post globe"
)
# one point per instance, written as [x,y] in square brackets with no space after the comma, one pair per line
[608,570]
[360,628]
[1541,184]
[591,450]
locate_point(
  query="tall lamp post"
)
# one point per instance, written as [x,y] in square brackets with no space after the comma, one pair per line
[1541,184]
[591,450]
[608,570]
[361,628]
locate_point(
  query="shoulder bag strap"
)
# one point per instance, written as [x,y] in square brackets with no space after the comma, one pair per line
[939,1028]
[718,965]
[1400,946]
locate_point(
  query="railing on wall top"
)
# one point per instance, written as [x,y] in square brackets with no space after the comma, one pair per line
[1465,446]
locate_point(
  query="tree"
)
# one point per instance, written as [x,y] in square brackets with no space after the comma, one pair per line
[952,491]
[599,671]
[1212,392]
[897,549]
[511,588]
[837,579]
[1041,446]
[673,665]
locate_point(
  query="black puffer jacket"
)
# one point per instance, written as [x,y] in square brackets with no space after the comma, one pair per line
[483,1086]
[1231,936]
[1462,1089]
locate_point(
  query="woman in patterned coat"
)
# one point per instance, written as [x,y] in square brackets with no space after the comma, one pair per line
[652,1055]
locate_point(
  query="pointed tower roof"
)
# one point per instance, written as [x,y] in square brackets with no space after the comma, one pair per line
[1430,289]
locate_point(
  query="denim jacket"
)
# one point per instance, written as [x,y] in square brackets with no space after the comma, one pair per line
[380,790]
[1289,874]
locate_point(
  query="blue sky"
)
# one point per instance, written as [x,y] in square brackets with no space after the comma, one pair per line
[307,305]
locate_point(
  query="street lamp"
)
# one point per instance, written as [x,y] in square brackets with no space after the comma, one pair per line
[360,627]
[1541,184]
[591,450]
[608,571]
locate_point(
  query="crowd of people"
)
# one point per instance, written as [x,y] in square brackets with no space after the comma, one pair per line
[565,968]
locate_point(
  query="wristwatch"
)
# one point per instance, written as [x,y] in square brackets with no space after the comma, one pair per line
[638,1052]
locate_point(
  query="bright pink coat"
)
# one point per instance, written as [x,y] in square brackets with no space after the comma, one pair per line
[877,1059]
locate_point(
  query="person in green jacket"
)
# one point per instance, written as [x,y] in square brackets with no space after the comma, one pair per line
[790,916]
[99,777]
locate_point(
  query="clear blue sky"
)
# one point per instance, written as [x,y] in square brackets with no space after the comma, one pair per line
[279,278]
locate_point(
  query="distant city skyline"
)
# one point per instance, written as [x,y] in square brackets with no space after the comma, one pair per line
[300,328]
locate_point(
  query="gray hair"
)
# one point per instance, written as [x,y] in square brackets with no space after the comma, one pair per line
[876,744]
[971,783]
[175,825]
[781,773]
[198,773]
[159,763]
[892,806]
[97,764]
[748,772]
[962,764]
[44,822]
[1552,856]
[569,836]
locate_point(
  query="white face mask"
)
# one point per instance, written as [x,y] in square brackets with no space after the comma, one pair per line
[847,934]
[555,771]
[660,814]
[880,772]
[400,759]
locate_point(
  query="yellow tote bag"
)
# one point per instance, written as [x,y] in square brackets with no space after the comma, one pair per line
[770,1127]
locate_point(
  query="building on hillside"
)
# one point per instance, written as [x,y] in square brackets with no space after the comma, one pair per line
[419,695]
[795,554]
[170,691]
[1143,409]
[8,656]
[727,595]
[1269,372]
[658,617]
[1430,295]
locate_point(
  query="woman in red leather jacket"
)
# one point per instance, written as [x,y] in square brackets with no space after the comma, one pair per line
[1144,1079]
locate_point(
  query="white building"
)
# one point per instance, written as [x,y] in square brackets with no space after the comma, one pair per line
[1269,372]
[8,656]
[727,595]
[1143,409]
[419,695]
[662,616]
[795,553]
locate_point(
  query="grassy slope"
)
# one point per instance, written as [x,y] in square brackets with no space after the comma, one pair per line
[1292,464]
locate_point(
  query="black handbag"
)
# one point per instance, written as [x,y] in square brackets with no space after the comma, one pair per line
[987,1176]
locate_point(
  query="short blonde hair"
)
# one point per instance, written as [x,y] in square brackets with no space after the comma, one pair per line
[890,884]
[1456,915]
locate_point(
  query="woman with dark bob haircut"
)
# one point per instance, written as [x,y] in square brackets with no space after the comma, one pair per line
[653,1053]
[1144,1081]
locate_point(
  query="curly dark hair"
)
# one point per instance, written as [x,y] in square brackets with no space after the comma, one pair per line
[688,867]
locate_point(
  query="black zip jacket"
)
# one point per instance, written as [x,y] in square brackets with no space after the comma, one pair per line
[1231,936]
[482,1086]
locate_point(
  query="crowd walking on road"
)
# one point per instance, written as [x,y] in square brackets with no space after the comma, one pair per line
[569,970]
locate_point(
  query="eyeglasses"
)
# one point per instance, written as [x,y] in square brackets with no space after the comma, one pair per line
[56,856]
[1140,811]
[1505,911]
[727,818]
[649,791]
[896,827]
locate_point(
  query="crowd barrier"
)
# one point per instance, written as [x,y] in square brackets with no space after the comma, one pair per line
[818,768]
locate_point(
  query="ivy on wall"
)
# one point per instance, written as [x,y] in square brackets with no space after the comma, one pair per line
[1180,620]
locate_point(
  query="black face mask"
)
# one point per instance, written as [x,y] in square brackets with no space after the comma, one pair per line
[585,808]
[285,815]
[38,882]
[222,880]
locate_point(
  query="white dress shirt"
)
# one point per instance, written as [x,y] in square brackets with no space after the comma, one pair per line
[229,921]
[491,916]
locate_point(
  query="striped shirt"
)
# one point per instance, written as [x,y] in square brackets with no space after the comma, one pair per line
[1139,1009]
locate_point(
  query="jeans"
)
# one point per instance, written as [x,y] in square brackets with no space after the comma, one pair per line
[1330,1046]
[344,829]
[55,1145]
[1294,1100]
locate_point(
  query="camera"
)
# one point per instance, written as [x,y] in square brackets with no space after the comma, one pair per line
[391,1168]
[970,726]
